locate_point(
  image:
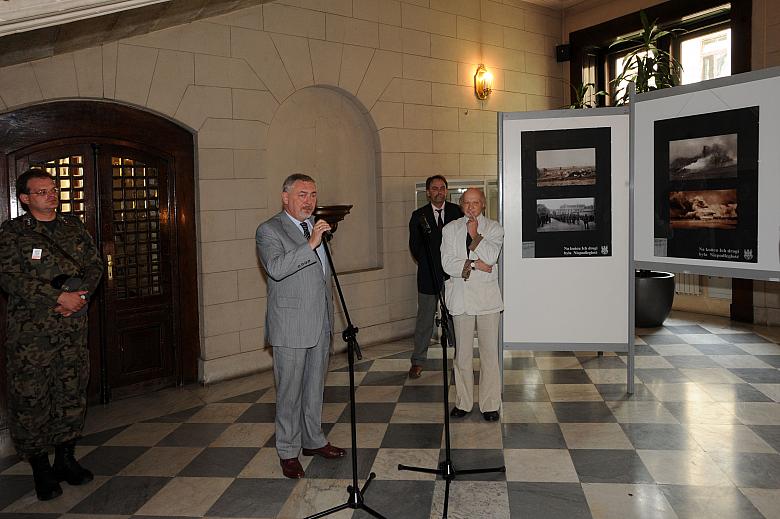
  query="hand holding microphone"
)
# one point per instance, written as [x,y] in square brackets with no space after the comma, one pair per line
[320,229]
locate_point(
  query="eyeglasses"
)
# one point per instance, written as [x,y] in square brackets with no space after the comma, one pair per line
[44,192]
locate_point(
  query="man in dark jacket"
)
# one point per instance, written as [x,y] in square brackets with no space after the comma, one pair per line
[438,213]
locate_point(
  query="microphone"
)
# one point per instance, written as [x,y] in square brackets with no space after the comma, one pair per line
[425,225]
[327,235]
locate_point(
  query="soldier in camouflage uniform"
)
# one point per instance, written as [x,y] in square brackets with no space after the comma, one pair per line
[46,347]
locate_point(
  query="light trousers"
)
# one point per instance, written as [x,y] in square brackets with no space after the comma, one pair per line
[489,371]
[300,382]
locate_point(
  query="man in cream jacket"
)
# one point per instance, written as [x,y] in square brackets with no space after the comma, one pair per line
[469,253]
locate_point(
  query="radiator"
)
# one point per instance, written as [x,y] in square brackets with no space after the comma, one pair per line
[688,284]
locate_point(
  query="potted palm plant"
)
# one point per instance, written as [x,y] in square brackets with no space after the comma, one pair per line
[649,67]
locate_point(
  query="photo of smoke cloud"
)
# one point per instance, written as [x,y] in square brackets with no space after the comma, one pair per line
[710,209]
[571,167]
[703,158]
[565,214]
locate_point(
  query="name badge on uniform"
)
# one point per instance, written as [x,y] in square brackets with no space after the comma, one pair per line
[36,254]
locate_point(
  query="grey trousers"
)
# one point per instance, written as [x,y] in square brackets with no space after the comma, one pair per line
[300,381]
[423,328]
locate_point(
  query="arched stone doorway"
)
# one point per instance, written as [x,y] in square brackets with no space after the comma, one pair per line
[129,175]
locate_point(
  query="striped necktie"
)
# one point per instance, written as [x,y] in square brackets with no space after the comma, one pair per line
[306,233]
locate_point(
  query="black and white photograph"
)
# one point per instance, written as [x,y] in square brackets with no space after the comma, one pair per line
[567,198]
[707,209]
[565,214]
[706,186]
[703,158]
[571,167]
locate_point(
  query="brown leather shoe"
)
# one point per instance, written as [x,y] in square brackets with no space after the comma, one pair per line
[328,451]
[415,371]
[291,468]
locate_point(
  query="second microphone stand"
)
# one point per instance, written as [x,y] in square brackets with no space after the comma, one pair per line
[355,500]
[446,468]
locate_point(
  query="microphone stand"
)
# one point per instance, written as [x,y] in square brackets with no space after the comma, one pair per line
[446,469]
[355,499]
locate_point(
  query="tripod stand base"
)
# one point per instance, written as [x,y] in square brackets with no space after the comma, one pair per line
[355,502]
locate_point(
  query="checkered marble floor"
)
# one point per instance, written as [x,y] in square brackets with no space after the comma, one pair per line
[699,438]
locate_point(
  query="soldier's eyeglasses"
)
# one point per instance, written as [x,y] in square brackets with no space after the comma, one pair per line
[44,192]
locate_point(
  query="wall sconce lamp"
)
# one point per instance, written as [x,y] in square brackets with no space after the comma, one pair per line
[483,82]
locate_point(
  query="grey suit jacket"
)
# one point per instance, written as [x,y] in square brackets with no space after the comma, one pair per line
[299,294]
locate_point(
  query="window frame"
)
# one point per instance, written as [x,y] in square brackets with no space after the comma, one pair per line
[590,47]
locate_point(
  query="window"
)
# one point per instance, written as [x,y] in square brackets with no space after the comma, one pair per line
[710,38]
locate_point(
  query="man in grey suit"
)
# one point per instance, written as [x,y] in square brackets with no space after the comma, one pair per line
[298,321]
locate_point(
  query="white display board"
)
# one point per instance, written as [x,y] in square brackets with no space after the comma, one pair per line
[707,184]
[564,289]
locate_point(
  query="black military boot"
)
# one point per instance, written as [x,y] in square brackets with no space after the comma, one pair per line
[66,468]
[46,485]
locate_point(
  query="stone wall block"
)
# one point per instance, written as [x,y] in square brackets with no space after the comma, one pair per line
[427,20]
[217,225]
[202,102]
[250,163]
[174,72]
[408,91]
[215,163]
[429,69]
[385,65]
[219,287]
[542,23]
[251,313]
[18,85]
[252,283]
[253,339]
[453,49]
[249,18]
[89,71]
[508,59]
[247,220]
[221,195]
[110,53]
[477,121]
[253,104]
[390,38]
[388,115]
[524,40]
[354,63]
[390,12]
[218,346]
[325,61]
[497,12]
[285,19]
[294,52]
[228,133]
[454,95]
[259,51]
[544,65]
[228,255]
[391,164]
[352,31]
[366,10]
[225,72]
[135,69]
[482,32]
[468,8]
[401,289]
[56,76]
[221,319]
[502,101]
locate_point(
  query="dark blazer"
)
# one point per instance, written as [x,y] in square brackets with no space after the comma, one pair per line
[417,241]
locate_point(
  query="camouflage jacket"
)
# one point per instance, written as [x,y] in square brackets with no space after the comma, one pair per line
[31,256]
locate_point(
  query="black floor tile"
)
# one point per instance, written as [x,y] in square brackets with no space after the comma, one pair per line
[382,497]
[768,433]
[742,338]
[659,436]
[341,468]
[246,398]
[369,412]
[654,376]
[532,436]
[178,417]
[476,459]
[335,394]
[121,495]
[384,378]
[519,363]
[665,338]
[14,487]
[247,497]
[618,392]
[641,350]
[565,376]
[99,438]
[609,466]
[259,413]
[421,394]
[583,412]
[413,436]
[772,360]
[547,500]
[602,362]
[687,329]
[758,375]
[193,435]
[720,349]
[692,502]
[217,462]
[525,393]
[108,461]
[750,469]
[554,354]
[691,361]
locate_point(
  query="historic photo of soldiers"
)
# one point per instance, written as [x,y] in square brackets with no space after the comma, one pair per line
[565,214]
[570,167]
[703,158]
[706,209]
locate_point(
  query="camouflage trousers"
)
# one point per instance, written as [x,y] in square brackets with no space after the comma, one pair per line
[47,383]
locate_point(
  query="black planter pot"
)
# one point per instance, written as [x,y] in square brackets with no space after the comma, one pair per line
[653,297]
